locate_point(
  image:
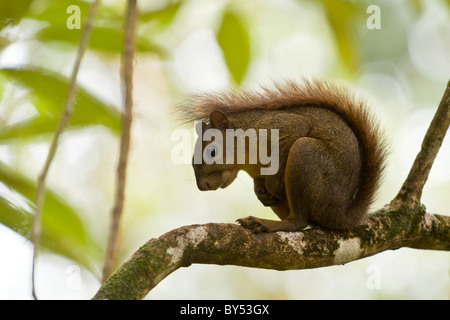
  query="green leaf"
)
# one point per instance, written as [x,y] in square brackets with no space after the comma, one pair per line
[15,218]
[163,16]
[104,39]
[48,92]
[342,17]
[107,33]
[62,230]
[233,39]
[11,13]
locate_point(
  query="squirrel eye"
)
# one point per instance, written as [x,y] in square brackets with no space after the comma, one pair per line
[212,151]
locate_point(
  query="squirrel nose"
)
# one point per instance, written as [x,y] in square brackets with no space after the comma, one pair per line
[203,186]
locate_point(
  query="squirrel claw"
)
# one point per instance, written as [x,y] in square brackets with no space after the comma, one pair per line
[253,224]
[266,198]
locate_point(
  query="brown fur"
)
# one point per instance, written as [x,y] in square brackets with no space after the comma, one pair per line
[313,95]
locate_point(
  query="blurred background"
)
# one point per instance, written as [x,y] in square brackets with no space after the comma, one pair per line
[396,55]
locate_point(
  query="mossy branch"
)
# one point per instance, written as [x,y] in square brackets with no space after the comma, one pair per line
[411,191]
[230,244]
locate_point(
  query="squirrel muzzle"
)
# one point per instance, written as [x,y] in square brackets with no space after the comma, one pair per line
[216,181]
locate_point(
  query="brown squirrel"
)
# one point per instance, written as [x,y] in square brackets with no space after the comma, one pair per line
[331,154]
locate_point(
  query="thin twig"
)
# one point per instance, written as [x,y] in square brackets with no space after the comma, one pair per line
[64,120]
[127,82]
[411,191]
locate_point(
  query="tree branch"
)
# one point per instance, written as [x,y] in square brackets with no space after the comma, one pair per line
[229,244]
[411,190]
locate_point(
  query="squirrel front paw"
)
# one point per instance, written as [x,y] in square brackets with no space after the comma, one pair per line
[253,224]
[266,198]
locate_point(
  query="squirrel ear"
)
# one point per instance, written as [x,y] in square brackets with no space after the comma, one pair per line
[218,120]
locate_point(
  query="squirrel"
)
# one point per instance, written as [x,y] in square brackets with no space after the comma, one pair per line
[331,153]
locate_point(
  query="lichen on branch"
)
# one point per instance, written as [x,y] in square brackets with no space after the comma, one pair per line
[229,244]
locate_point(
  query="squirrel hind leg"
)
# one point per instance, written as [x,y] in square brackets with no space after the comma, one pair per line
[316,190]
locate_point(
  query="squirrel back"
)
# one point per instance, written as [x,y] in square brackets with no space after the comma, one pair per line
[309,94]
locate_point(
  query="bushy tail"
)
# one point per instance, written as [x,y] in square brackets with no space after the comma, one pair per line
[366,129]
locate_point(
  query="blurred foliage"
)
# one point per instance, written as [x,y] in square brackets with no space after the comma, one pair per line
[12,13]
[341,17]
[47,93]
[233,34]
[106,35]
[162,16]
[64,232]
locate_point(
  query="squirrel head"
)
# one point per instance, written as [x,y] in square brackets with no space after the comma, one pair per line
[209,162]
